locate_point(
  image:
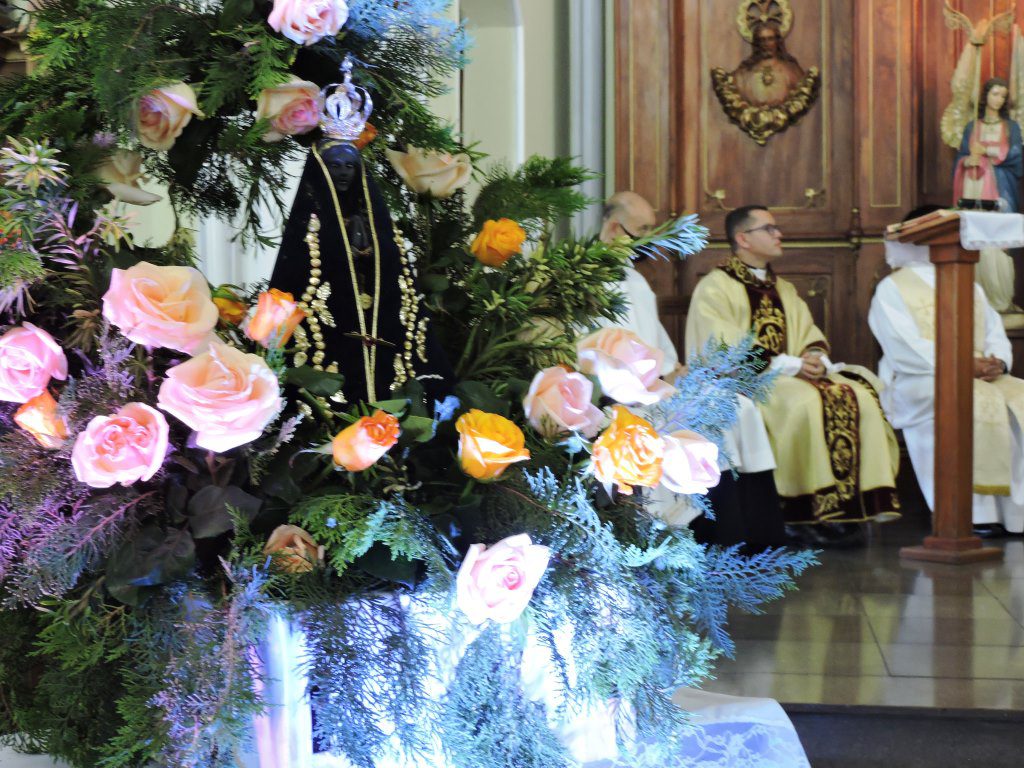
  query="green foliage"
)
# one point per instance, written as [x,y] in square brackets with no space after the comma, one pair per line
[363,651]
[537,194]
[18,266]
[487,719]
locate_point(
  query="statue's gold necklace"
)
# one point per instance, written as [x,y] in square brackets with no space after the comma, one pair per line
[369,340]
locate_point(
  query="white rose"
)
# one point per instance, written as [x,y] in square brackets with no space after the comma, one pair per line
[427,172]
[121,174]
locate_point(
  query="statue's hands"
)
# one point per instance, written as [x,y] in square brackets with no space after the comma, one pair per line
[973,160]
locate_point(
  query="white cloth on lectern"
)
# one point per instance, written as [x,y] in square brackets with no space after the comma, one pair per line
[982,229]
[907,369]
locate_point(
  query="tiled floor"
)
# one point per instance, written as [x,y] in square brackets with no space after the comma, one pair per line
[869,629]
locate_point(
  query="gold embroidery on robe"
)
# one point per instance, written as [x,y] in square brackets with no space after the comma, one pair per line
[769,326]
[842,437]
[767,315]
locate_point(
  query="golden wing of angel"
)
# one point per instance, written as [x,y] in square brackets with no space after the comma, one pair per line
[1017,76]
[964,84]
[978,34]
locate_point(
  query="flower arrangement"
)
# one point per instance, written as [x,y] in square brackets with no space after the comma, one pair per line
[172,479]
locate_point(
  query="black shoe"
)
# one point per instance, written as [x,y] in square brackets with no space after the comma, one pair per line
[796,536]
[836,535]
[989,531]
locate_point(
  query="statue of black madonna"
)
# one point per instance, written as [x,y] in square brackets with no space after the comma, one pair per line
[352,272]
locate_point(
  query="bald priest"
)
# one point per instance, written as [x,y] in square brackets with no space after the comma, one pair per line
[837,455]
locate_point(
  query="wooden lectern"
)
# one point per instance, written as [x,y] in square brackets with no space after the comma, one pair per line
[952,540]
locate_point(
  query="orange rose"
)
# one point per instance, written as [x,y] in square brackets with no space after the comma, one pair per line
[231,308]
[293,550]
[498,241]
[40,419]
[629,452]
[488,444]
[359,446]
[368,134]
[277,315]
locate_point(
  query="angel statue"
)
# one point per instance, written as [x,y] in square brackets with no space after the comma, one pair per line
[982,122]
[989,160]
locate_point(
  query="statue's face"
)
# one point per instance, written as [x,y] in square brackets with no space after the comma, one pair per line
[343,164]
[996,97]
[767,39]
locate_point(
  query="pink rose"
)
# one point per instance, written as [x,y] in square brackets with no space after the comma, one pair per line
[626,367]
[227,396]
[307,21]
[29,358]
[560,401]
[164,113]
[123,448]
[497,582]
[690,464]
[161,306]
[292,108]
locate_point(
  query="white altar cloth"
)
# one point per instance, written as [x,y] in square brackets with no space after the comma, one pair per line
[982,229]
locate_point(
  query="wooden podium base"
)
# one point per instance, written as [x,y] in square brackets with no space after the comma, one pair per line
[936,549]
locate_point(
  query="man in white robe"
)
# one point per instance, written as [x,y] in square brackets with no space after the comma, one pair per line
[902,317]
[745,511]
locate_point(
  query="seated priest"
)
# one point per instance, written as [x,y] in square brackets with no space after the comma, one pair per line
[746,508]
[902,317]
[837,455]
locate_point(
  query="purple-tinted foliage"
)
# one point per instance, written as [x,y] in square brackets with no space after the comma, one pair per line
[61,244]
[7,411]
[10,539]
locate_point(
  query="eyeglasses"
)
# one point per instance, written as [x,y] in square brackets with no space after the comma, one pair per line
[642,231]
[771,229]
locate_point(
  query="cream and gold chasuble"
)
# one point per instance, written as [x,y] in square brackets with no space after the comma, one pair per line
[993,401]
[837,455]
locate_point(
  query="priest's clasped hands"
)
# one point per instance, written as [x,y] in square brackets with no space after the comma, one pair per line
[988,368]
[813,367]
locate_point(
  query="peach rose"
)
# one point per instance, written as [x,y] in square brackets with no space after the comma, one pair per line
[690,464]
[307,21]
[39,417]
[163,114]
[629,452]
[488,444]
[29,358]
[497,242]
[161,306]
[292,550]
[123,448]
[438,174]
[360,445]
[497,582]
[626,367]
[292,108]
[277,315]
[121,174]
[559,401]
[227,396]
[230,307]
